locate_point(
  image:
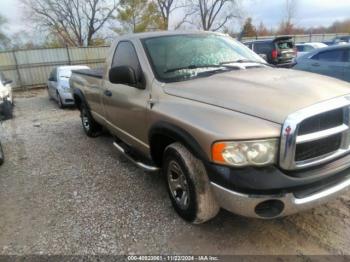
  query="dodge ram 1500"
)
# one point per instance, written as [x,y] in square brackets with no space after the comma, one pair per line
[226,129]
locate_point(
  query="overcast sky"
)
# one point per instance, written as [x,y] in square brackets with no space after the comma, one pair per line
[309,12]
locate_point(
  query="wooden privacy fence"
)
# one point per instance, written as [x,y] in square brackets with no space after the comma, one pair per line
[31,68]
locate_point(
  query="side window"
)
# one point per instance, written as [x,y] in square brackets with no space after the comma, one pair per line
[53,74]
[262,48]
[308,48]
[300,48]
[249,45]
[347,55]
[125,55]
[330,56]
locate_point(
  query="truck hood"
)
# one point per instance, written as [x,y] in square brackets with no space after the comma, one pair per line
[267,93]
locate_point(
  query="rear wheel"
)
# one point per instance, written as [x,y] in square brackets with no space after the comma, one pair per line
[7,110]
[48,93]
[2,157]
[188,185]
[90,126]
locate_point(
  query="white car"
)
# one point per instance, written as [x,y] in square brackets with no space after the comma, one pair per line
[308,47]
[6,98]
[58,84]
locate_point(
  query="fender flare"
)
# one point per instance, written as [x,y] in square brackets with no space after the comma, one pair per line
[77,92]
[178,134]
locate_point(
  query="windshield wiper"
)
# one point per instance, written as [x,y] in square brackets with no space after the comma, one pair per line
[192,67]
[241,61]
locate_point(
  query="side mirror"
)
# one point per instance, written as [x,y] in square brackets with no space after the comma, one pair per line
[263,56]
[123,75]
[51,79]
[7,82]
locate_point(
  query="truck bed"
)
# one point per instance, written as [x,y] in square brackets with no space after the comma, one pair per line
[97,73]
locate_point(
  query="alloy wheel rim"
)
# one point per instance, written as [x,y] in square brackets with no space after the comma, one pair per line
[178,185]
[85,121]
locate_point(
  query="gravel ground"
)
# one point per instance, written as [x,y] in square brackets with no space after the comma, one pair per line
[64,193]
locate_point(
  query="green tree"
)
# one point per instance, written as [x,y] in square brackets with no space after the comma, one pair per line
[249,29]
[138,16]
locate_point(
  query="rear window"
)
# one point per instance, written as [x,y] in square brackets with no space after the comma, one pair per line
[285,45]
[300,48]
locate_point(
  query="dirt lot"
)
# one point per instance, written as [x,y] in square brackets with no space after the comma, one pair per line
[64,193]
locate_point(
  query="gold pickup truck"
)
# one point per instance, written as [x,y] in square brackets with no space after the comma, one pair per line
[226,129]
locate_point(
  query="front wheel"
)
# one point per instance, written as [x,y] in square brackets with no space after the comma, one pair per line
[2,157]
[90,126]
[188,185]
[59,101]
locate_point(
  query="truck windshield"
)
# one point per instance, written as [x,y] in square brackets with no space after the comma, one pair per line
[182,57]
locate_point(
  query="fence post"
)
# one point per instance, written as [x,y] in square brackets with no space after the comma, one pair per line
[17,68]
[68,56]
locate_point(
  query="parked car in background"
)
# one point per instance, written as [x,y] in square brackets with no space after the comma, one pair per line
[279,51]
[308,47]
[332,61]
[6,97]
[328,43]
[58,84]
[341,40]
[226,129]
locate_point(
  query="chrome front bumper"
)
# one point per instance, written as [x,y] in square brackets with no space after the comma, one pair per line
[245,205]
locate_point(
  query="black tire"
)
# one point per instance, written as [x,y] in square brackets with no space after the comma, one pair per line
[90,126]
[48,93]
[7,110]
[2,156]
[201,204]
[59,101]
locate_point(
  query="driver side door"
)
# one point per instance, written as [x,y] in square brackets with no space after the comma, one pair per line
[126,105]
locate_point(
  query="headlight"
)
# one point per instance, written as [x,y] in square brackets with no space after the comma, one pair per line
[245,153]
[65,88]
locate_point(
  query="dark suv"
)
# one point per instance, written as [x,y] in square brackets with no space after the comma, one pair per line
[280,51]
[341,39]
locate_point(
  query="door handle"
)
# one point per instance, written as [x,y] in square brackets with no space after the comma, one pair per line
[107,93]
[315,64]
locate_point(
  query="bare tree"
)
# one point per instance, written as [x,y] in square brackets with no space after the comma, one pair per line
[74,21]
[213,14]
[4,40]
[166,7]
[291,10]
[287,25]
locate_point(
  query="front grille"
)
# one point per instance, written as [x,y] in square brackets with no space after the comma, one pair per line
[317,148]
[316,135]
[321,122]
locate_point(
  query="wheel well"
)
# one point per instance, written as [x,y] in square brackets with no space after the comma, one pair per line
[77,101]
[158,144]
